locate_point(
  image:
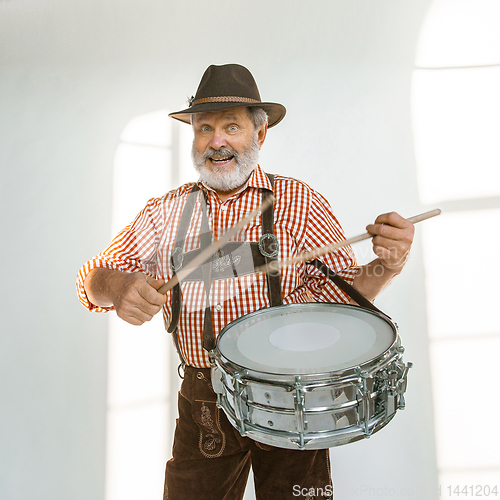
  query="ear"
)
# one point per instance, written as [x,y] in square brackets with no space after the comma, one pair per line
[261,134]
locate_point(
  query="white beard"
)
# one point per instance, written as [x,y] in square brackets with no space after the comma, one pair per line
[227,178]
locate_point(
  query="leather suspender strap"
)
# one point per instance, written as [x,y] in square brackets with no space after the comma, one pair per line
[177,257]
[269,247]
[345,287]
[206,268]
[176,260]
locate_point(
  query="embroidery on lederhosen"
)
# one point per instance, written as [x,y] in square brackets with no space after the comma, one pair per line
[212,439]
[220,261]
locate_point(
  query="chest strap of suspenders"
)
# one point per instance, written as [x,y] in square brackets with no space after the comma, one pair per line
[264,251]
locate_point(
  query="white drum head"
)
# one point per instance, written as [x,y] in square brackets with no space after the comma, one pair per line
[306,338]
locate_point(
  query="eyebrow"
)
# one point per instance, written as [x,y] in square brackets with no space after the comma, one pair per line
[204,116]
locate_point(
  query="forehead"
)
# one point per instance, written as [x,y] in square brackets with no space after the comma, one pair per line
[232,114]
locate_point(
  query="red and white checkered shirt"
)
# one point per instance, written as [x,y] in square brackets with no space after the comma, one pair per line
[303,221]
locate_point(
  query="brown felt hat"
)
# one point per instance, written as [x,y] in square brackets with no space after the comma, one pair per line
[225,87]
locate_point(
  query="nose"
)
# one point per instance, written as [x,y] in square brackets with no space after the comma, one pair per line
[218,140]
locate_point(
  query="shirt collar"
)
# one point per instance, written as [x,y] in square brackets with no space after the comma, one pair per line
[259,179]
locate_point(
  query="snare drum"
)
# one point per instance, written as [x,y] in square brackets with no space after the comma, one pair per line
[309,376]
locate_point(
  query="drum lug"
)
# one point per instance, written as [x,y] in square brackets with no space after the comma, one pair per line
[239,387]
[299,403]
[401,387]
[363,374]
[216,377]
[212,356]
[394,382]
[365,400]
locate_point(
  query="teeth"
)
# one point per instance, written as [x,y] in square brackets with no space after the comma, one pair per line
[222,159]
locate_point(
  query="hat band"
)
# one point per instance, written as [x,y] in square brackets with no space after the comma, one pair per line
[224,98]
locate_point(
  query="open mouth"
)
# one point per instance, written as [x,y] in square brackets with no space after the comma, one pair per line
[221,160]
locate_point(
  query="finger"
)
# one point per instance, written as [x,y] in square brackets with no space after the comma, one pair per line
[391,232]
[393,219]
[390,253]
[154,282]
[384,253]
[149,292]
[389,258]
[397,245]
[147,308]
[134,316]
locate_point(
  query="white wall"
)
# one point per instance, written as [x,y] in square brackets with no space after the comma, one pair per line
[72,74]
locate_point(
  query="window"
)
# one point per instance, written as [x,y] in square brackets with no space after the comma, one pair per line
[142,379]
[456,111]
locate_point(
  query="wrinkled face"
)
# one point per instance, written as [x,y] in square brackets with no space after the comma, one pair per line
[226,148]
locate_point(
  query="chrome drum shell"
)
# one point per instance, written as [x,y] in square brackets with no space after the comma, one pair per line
[294,407]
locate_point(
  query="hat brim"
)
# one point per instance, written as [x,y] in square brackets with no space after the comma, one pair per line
[275,111]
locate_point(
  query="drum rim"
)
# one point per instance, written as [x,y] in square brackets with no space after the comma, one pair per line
[237,368]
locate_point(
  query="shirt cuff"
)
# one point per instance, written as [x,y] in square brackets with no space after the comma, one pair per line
[82,275]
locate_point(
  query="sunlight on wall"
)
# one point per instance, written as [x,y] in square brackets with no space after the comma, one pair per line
[142,375]
[457,122]
[462,274]
[143,165]
[456,113]
[459,33]
[460,254]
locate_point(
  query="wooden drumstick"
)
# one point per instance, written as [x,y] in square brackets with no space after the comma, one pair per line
[319,252]
[211,249]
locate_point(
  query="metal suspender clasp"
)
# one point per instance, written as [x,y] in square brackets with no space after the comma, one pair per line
[273,246]
[176,258]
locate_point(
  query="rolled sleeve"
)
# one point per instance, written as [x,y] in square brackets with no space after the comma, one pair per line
[130,251]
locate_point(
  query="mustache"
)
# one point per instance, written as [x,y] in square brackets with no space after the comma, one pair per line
[210,153]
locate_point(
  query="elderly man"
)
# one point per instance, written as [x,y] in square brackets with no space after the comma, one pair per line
[230,122]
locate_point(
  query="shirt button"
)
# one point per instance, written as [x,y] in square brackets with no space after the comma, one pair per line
[218,308]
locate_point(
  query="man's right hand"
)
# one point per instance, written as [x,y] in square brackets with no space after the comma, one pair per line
[133,295]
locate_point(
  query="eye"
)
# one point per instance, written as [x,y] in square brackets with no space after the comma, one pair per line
[233,128]
[205,128]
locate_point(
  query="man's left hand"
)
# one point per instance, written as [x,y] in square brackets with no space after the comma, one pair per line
[393,236]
